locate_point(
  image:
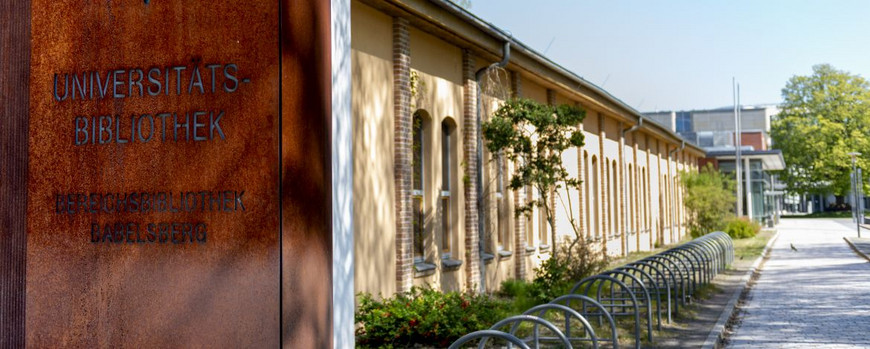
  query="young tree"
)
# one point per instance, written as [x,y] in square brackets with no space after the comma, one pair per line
[534,136]
[709,200]
[824,117]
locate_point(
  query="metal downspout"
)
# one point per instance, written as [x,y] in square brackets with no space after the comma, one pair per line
[481,214]
[624,168]
[674,186]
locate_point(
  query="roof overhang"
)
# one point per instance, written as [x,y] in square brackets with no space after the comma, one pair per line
[450,22]
[771,160]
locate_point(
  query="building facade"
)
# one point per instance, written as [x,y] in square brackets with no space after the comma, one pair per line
[714,131]
[421,217]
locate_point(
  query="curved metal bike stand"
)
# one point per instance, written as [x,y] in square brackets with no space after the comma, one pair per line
[674,268]
[660,277]
[715,262]
[675,274]
[590,281]
[542,309]
[708,255]
[663,275]
[686,271]
[653,290]
[614,336]
[647,300]
[698,259]
[689,260]
[535,335]
[488,334]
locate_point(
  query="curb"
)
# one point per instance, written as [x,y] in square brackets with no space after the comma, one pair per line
[719,328]
[855,248]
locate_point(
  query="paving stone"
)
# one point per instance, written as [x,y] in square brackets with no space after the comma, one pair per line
[815,297]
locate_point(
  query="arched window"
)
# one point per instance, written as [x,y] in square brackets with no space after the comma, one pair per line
[614,193]
[502,220]
[448,187]
[644,203]
[594,199]
[631,210]
[419,174]
[587,225]
[608,200]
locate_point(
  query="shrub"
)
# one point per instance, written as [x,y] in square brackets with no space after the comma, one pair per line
[520,294]
[423,316]
[557,275]
[709,200]
[741,228]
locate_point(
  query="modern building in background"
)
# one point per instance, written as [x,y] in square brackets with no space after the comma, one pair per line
[714,131]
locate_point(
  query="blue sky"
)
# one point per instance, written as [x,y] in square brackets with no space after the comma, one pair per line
[677,55]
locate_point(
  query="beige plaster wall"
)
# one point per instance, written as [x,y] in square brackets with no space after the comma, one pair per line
[440,93]
[373,182]
[533,90]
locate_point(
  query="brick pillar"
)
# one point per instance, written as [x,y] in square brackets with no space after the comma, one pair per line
[581,193]
[470,132]
[551,97]
[635,200]
[551,206]
[621,216]
[661,214]
[669,196]
[516,85]
[402,139]
[604,183]
[648,193]
[519,199]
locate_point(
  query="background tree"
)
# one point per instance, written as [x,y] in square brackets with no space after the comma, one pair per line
[709,200]
[823,117]
[534,136]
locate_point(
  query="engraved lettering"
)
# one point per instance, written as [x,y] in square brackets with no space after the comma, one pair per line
[138,81]
[195,81]
[118,82]
[229,73]
[155,87]
[65,88]
[215,125]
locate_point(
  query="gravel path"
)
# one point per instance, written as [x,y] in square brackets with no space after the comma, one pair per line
[815,297]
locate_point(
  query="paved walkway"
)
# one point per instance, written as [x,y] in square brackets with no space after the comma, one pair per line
[815,297]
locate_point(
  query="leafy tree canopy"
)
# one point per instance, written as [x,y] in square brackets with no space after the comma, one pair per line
[534,136]
[823,118]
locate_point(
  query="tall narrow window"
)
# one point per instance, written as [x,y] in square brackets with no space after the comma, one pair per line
[446,189]
[644,202]
[595,198]
[543,227]
[417,186]
[614,193]
[667,218]
[630,204]
[531,218]
[586,195]
[608,203]
[501,204]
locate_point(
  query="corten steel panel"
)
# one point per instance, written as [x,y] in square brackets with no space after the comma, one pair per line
[306,206]
[223,292]
[14,70]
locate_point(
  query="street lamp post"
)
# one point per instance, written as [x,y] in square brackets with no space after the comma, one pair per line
[855,183]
